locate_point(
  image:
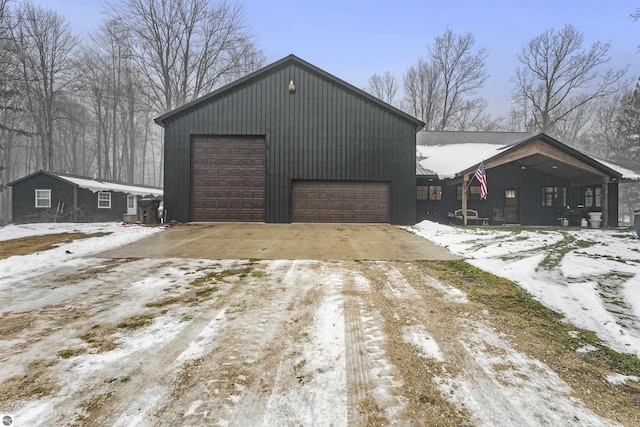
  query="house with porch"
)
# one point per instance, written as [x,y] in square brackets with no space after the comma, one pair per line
[532,180]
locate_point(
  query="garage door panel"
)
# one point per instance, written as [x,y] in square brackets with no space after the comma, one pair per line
[228,179]
[340,201]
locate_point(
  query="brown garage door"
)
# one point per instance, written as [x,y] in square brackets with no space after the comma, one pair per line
[340,201]
[227,179]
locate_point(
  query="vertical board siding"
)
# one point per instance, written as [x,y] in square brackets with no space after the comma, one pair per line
[323,131]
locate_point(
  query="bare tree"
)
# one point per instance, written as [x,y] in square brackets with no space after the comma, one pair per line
[575,129]
[186,48]
[439,90]
[383,86]
[44,48]
[604,130]
[423,93]
[462,70]
[627,148]
[472,117]
[113,87]
[559,76]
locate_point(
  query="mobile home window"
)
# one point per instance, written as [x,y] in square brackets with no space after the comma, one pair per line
[131,201]
[429,192]
[104,200]
[554,196]
[43,198]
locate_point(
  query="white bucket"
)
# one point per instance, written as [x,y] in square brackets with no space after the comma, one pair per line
[595,223]
[595,215]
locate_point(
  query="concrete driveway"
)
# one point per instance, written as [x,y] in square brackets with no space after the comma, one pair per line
[285,241]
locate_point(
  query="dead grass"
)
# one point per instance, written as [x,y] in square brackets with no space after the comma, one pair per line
[100,337]
[68,353]
[28,245]
[136,322]
[32,385]
[203,288]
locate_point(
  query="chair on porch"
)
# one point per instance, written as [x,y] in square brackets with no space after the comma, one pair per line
[498,216]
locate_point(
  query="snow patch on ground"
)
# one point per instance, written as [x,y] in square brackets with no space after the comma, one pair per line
[21,267]
[203,342]
[420,338]
[511,388]
[618,379]
[322,398]
[596,285]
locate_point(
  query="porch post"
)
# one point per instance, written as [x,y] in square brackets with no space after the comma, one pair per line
[465,182]
[604,201]
[75,204]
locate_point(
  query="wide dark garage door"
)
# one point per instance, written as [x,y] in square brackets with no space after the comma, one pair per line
[340,201]
[227,178]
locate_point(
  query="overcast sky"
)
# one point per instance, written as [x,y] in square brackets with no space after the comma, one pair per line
[354,39]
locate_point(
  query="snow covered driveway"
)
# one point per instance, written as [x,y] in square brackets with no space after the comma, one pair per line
[91,341]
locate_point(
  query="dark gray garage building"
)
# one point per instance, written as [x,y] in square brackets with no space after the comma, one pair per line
[290,143]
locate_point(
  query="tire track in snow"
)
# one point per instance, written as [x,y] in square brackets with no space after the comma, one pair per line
[311,380]
[229,385]
[372,379]
[357,376]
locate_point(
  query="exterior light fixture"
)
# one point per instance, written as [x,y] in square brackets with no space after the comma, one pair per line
[554,167]
[292,87]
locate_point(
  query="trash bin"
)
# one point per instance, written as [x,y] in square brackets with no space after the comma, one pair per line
[129,218]
[636,222]
[149,210]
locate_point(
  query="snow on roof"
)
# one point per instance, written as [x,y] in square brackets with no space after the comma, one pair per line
[466,137]
[627,174]
[450,152]
[447,160]
[420,171]
[447,153]
[96,185]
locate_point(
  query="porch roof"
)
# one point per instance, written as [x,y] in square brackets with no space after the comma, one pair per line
[450,155]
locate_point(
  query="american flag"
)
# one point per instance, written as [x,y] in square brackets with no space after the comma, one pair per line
[481,176]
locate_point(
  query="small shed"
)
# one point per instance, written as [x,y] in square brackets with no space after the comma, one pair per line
[45,196]
[290,143]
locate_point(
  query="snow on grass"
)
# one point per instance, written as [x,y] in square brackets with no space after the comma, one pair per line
[508,388]
[618,379]
[23,267]
[83,369]
[596,284]
[421,339]
[203,342]
[449,292]
[321,397]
